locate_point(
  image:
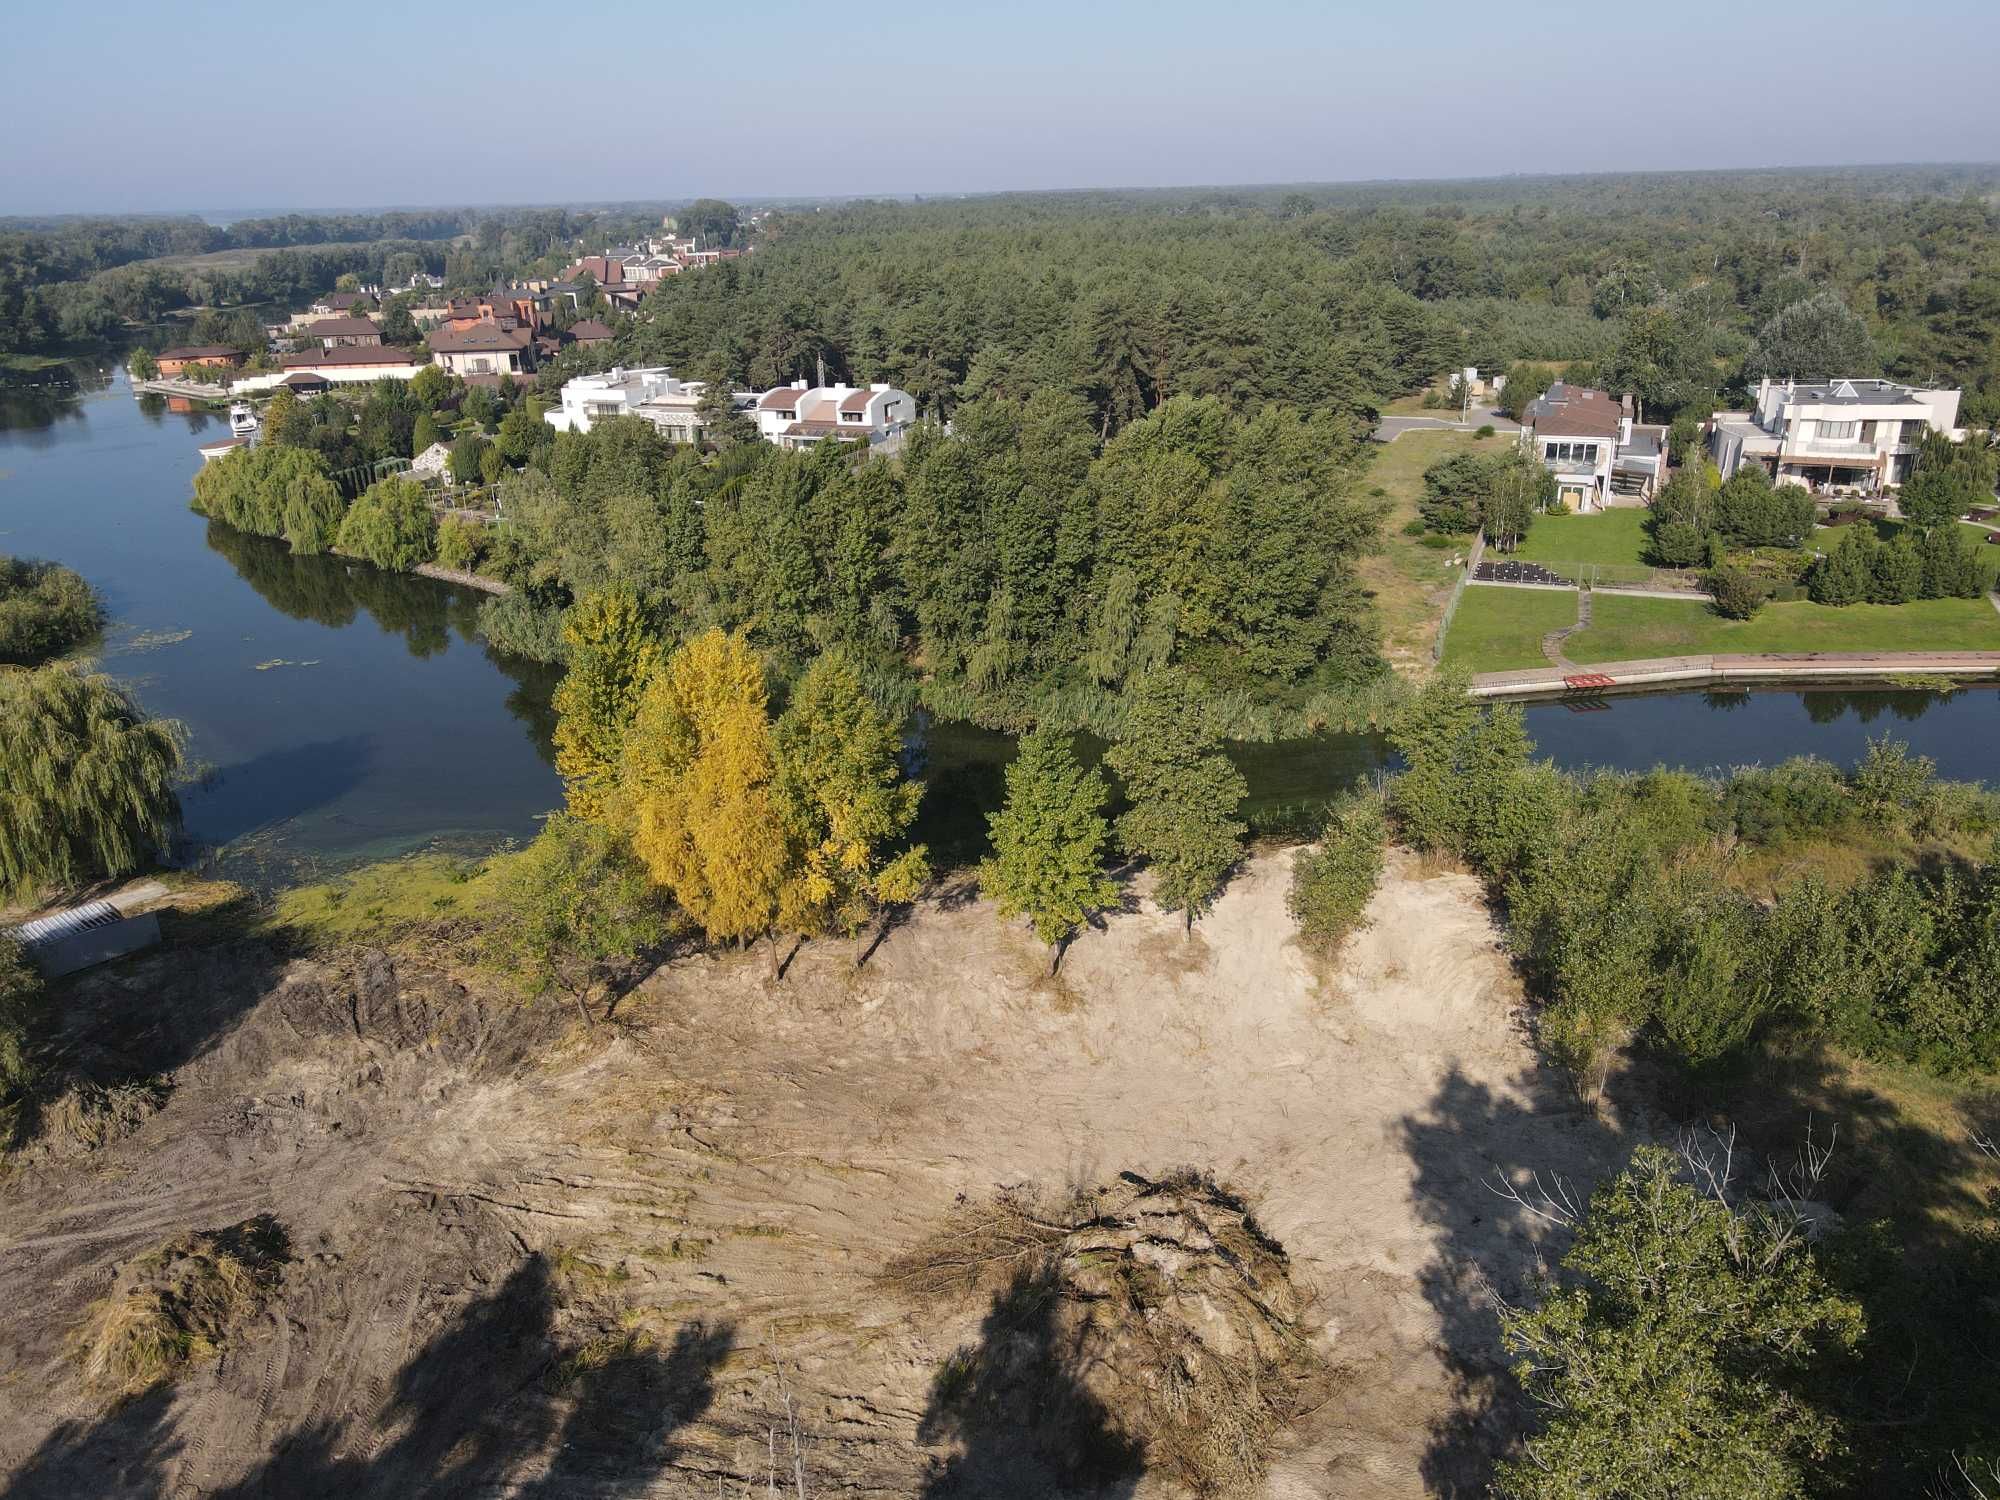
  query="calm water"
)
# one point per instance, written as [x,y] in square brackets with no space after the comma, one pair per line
[346,714]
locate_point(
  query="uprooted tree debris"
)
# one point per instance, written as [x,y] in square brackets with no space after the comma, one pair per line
[1143,1323]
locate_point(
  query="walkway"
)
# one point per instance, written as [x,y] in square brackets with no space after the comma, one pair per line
[1553,641]
[1686,671]
[1390,428]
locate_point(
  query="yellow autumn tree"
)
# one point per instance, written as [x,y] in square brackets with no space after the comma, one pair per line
[612,657]
[697,789]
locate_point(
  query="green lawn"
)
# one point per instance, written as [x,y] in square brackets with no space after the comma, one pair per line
[1409,581]
[1629,629]
[1498,629]
[1612,536]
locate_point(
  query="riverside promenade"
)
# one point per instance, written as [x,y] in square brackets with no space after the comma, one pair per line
[1710,671]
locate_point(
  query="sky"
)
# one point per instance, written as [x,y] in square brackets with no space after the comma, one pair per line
[219,106]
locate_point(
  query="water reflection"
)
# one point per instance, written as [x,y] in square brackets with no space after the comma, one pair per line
[332,591]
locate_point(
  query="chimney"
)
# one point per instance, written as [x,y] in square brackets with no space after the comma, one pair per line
[1625,407]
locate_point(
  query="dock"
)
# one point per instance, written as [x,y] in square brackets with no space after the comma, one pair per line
[1591,678]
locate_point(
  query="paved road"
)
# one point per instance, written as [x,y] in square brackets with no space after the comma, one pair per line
[1391,428]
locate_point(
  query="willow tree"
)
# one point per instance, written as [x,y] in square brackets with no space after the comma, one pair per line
[612,657]
[696,788]
[86,780]
[846,804]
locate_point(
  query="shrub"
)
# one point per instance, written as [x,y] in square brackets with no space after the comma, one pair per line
[1678,544]
[460,544]
[1485,430]
[1438,542]
[1791,800]
[45,609]
[1332,883]
[1737,595]
[391,525]
[1415,526]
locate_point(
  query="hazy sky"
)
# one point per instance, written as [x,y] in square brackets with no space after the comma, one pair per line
[361,103]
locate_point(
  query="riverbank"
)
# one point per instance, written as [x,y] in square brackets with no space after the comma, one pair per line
[1728,670]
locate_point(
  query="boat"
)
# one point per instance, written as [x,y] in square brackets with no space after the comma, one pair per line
[242,420]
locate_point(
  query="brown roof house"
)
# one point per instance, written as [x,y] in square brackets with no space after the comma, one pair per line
[1598,454]
[214,356]
[341,333]
[590,331]
[337,302]
[484,349]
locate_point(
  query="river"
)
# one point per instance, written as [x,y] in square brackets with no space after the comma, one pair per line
[342,714]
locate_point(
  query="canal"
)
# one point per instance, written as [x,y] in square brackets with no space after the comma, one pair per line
[339,714]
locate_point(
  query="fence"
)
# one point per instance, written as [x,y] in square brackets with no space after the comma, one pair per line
[1627,576]
[1472,560]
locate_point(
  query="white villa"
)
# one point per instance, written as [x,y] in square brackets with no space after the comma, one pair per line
[1858,435]
[1598,454]
[799,415]
[792,416]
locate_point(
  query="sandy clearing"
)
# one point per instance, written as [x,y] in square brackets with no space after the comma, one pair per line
[727,1171]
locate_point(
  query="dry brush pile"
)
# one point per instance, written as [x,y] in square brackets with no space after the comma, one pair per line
[1142,1324]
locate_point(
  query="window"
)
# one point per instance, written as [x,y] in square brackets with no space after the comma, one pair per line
[1913,432]
[1836,432]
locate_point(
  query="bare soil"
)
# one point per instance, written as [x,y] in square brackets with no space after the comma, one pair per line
[648,1259]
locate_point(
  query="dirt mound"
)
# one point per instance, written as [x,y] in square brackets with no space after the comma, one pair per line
[1142,1324]
[178,1303]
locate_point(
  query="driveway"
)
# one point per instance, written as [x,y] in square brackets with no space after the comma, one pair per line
[1391,428]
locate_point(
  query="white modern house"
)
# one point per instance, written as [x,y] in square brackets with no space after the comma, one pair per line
[1834,435]
[1600,457]
[616,393]
[799,415]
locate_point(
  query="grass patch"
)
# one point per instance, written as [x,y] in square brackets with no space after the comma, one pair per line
[179,1303]
[1500,629]
[379,901]
[1612,536]
[1409,581]
[1630,629]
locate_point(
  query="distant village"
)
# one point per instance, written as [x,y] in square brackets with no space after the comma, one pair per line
[503,339]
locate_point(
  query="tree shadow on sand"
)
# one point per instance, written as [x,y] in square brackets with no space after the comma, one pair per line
[1015,1404]
[1464,1144]
[470,1413]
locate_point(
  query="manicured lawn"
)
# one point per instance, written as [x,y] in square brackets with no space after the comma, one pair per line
[1629,629]
[1409,582]
[1612,536]
[1497,630]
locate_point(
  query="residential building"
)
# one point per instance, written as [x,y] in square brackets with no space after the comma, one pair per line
[1835,435]
[651,392]
[212,356]
[434,463]
[305,384]
[798,415]
[485,349]
[1598,454]
[349,366]
[589,331]
[343,333]
[337,302]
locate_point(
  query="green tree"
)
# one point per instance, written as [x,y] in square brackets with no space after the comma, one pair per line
[1183,791]
[846,804]
[429,386]
[1821,338]
[1738,595]
[86,780]
[1845,575]
[576,903]
[468,455]
[1518,487]
[424,433]
[143,366]
[612,658]
[391,525]
[1689,1350]
[697,789]
[20,994]
[722,426]
[1049,841]
[1333,882]
[1431,801]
